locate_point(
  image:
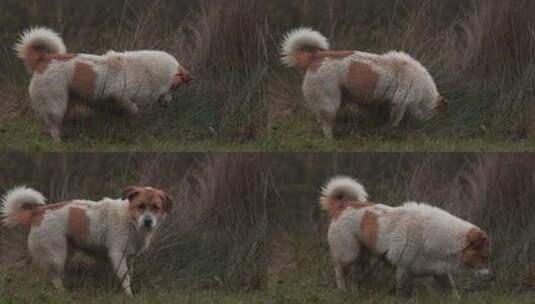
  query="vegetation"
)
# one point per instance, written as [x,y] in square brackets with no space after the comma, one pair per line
[480,54]
[247,228]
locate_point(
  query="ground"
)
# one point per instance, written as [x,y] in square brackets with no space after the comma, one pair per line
[26,132]
[25,286]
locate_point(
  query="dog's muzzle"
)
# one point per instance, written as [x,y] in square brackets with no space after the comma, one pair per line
[485,275]
[147,221]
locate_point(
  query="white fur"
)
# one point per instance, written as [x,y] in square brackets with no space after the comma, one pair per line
[299,38]
[112,232]
[345,186]
[39,36]
[402,81]
[417,239]
[13,201]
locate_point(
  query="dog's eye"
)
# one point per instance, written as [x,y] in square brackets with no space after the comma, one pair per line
[155,208]
[141,206]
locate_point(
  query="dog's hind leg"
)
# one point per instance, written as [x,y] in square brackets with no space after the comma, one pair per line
[52,106]
[51,256]
[324,99]
[54,123]
[327,121]
[118,262]
[340,271]
[345,250]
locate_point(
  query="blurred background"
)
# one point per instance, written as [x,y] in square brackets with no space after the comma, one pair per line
[251,222]
[479,52]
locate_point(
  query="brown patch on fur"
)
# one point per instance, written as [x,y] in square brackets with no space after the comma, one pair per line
[314,60]
[442,104]
[336,208]
[40,61]
[84,79]
[369,227]
[361,80]
[33,216]
[476,252]
[78,224]
[181,76]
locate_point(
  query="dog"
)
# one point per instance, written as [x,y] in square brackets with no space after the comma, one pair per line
[332,78]
[115,228]
[128,80]
[417,239]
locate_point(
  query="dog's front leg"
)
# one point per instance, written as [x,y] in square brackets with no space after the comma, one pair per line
[447,284]
[127,104]
[397,111]
[118,261]
[165,100]
[403,282]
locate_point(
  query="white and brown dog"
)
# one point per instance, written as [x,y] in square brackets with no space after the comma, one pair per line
[114,228]
[417,239]
[333,77]
[128,79]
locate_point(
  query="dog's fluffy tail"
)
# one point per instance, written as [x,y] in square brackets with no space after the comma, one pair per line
[298,42]
[16,200]
[341,189]
[34,43]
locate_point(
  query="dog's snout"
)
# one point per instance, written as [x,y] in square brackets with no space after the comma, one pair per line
[147,223]
[486,275]
[491,276]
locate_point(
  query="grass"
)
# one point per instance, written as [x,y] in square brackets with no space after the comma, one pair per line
[297,133]
[473,54]
[24,286]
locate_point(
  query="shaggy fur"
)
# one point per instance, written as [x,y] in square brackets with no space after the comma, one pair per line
[128,79]
[417,239]
[335,77]
[115,228]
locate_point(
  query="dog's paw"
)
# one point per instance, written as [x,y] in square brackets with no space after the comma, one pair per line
[165,100]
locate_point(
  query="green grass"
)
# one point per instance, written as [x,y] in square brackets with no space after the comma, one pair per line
[297,133]
[296,272]
[25,286]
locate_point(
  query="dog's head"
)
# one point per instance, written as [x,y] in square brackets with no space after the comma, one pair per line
[182,76]
[441,104]
[147,206]
[476,252]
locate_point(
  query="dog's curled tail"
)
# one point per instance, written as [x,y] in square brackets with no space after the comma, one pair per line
[298,42]
[35,42]
[16,200]
[341,189]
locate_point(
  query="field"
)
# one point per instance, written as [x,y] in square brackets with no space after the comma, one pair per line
[246,227]
[480,54]
[33,289]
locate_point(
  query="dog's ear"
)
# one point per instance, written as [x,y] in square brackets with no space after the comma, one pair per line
[168,202]
[130,192]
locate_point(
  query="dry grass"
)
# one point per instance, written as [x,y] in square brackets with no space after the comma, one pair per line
[247,221]
[480,57]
